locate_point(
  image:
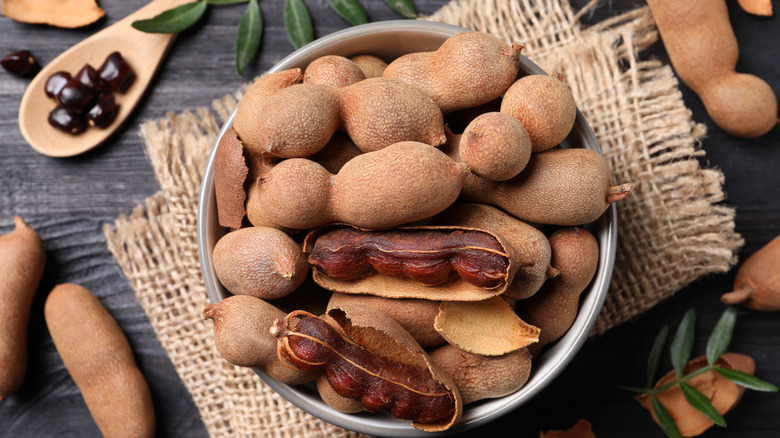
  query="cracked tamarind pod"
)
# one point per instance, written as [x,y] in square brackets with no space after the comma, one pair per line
[371,358]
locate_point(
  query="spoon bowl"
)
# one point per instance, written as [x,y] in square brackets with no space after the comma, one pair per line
[143,51]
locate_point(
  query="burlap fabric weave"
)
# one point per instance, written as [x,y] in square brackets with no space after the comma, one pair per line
[672,230]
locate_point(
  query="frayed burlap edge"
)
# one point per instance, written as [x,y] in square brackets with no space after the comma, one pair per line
[672,230]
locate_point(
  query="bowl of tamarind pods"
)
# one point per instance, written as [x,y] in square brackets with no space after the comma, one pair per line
[406,228]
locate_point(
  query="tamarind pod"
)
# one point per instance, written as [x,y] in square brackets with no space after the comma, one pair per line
[382,384]
[22,260]
[425,256]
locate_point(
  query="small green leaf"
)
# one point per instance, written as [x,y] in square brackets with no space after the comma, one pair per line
[349,10]
[403,7]
[297,22]
[654,361]
[250,32]
[225,2]
[173,20]
[682,344]
[747,380]
[720,338]
[702,403]
[664,419]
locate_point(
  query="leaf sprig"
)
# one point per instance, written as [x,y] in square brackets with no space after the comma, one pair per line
[680,354]
[297,22]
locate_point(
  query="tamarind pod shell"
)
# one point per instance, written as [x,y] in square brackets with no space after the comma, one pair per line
[230,173]
[723,393]
[489,327]
[22,261]
[413,314]
[455,289]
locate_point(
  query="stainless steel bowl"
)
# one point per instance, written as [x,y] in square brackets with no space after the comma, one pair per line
[388,40]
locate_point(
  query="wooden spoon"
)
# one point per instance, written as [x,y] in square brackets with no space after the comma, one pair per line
[143,51]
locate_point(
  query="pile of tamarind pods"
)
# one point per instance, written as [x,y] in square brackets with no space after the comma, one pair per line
[407,234]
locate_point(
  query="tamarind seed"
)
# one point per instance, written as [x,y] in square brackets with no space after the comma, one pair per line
[67,120]
[89,77]
[103,112]
[55,83]
[20,63]
[76,95]
[116,73]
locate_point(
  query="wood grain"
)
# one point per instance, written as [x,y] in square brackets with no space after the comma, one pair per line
[67,200]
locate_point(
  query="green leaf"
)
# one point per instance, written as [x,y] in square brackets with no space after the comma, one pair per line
[349,10]
[664,419]
[403,7]
[250,32]
[173,20]
[654,361]
[702,403]
[720,338]
[747,380]
[225,2]
[297,22]
[682,344]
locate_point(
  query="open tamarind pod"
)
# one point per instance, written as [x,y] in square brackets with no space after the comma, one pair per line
[473,326]
[241,324]
[575,253]
[468,69]
[249,109]
[370,357]
[557,187]
[429,262]
[757,284]
[479,377]
[529,244]
[333,399]
[415,315]
[404,182]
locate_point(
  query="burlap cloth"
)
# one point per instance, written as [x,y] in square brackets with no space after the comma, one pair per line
[672,230]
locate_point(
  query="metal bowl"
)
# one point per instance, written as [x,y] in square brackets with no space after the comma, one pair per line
[388,40]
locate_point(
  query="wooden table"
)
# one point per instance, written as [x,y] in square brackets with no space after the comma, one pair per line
[69,200]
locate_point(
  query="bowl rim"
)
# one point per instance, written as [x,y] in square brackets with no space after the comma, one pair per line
[553,360]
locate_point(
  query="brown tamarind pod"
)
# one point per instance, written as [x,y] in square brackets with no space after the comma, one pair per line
[557,187]
[401,183]
[413,314]
[575,253]
[249,109]
[22,260]
[100,360]
[241,324]
[529,244]
[411,262]
[371,358]
[378,112]
[757,284]
[333,70]
[468,69]
[480,377]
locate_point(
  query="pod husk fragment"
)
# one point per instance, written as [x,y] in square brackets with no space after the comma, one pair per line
[722,393]
[455,289]
[489,327]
